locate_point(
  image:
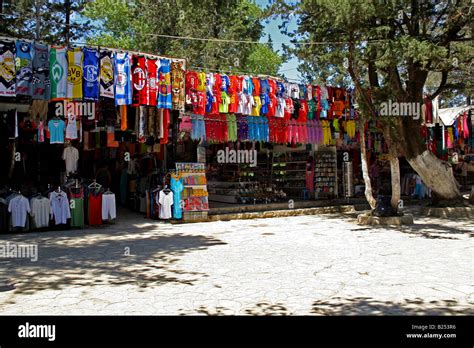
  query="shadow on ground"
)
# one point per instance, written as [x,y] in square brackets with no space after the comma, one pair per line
[110,257]
[370,306]
[361,306]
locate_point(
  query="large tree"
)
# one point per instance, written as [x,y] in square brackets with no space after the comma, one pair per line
[388,48]
[54,22]
[140,24]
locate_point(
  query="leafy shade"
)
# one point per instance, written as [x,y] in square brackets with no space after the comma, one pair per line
[134,24]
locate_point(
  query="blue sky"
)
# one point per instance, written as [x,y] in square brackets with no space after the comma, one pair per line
[289,68]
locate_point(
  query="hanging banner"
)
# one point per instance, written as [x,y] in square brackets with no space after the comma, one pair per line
[75,58]
[58,72]
[122,81]
[151,68]
[178,74]
[91,74]
[24,68]
[41,83]
[7,68]
[106,74]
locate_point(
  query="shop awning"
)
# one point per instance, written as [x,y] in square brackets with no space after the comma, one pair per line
[449,115]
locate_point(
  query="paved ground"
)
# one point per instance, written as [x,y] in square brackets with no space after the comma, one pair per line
[300,265]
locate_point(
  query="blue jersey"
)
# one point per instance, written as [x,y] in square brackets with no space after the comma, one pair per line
[122,79]
[91,74]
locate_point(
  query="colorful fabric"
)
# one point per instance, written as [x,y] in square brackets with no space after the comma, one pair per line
[91,74]
[75,59]
[177,85]
[139,79]
[24,68]
[122,79]
[152,89]
[106,74]
[164,85]
[41,82]
[177,187]
[7,68]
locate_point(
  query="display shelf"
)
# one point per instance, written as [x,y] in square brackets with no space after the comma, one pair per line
[287,168]
[325,173]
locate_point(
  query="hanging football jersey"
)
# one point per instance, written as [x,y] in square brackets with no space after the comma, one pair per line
[139,90]
[58,72]
[201,82]
[164,85]
[91,74]
[151,69]
[24,68]
[40,81]
[7,68]
[106,74]
[122,81]
[75,59]
[177,84]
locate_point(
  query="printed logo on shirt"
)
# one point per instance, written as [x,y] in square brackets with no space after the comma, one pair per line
[121,79]
[90,73]
[106,70]
[152,82]
[7,66]
[140,79]
[74,74]
[57,72]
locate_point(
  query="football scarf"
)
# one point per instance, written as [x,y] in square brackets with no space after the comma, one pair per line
[75,58]
[58,72]
[24,68]
[106,74]
[41,82]
[91,74]
[7,68]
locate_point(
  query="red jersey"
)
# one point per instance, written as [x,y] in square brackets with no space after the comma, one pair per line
[272,105]
[303,112]
[272,87]
[256,86]
[239,81]
[289,109]
[139,79]
[191,80]
[151,69]
[200,108]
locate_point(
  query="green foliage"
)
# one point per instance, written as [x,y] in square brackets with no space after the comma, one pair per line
[133,25]
[44,20]
[403,39]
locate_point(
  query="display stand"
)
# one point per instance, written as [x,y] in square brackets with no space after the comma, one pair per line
[325,172]
[195,194]
[289,171]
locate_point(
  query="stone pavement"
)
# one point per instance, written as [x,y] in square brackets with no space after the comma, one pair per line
[305,265]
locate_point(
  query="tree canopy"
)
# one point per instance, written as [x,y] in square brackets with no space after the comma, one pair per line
[135,25]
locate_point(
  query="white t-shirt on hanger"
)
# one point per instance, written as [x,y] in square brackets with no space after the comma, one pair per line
[71,156]
[165,200]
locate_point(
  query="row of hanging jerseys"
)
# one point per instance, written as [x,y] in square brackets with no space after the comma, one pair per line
[57,208]
[164,203]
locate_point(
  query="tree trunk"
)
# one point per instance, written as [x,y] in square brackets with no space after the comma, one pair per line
[437,175]
[395,180]
[365,168]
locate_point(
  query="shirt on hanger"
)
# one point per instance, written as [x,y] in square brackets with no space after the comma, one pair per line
[166,201]
[56,130]
[60,209]
[40,211]
[71,156]
[19,207]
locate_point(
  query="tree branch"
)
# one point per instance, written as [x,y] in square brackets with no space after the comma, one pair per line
[442,85]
